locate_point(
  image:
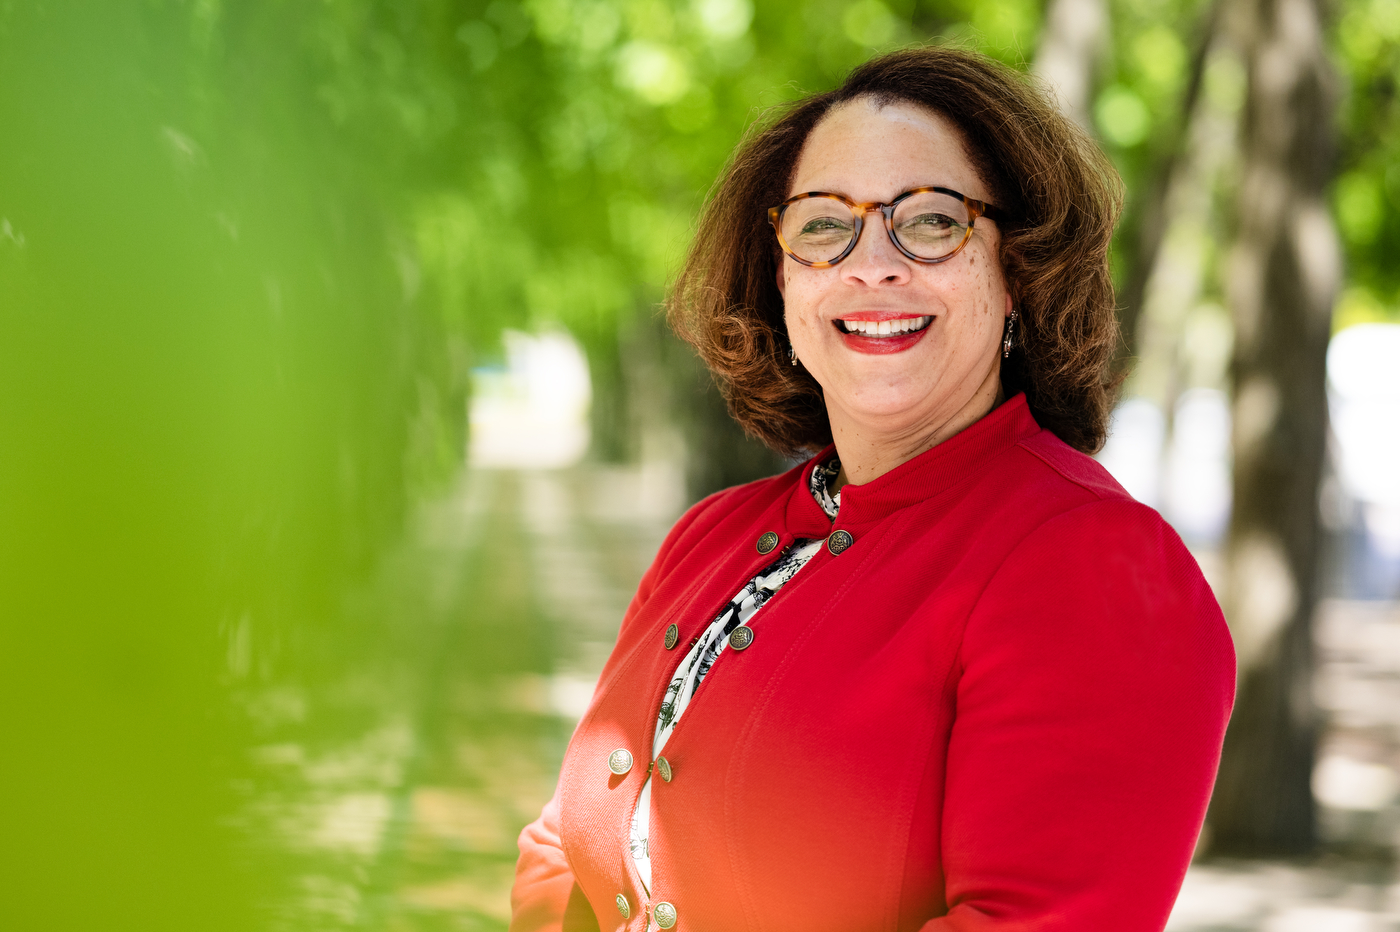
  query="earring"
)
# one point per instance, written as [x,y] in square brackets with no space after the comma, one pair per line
[1010,332]
[792,353]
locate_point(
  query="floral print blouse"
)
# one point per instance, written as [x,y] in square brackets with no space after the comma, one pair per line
[739,611]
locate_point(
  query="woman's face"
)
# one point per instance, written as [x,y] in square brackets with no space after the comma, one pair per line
[905,383]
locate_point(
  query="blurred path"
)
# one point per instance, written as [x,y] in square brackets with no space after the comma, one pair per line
[1330,896]
[390,780]
[1356,886]
[565,549]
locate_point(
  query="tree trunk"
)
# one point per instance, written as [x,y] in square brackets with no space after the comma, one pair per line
[1281,279]
[1169,264]
[1071,47]
[677,418]
[1173,167]
[718,452]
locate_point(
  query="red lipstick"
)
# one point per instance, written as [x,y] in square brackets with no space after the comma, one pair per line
[880,345]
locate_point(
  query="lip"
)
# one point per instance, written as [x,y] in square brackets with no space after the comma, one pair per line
[878,316]
[880,346]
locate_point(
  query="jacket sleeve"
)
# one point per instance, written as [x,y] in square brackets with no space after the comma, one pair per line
[1097,678]
[546,898]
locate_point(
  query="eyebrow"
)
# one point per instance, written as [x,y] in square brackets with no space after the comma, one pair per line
[902,192]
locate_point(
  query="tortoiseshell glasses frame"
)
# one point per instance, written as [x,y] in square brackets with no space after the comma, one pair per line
[975,209]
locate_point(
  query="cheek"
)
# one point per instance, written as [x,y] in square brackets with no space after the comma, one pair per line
[989,286]
[799,299]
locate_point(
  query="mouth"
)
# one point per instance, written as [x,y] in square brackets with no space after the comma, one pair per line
[884,328]
[892,334]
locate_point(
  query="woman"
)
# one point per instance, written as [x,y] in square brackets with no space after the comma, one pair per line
[945,675]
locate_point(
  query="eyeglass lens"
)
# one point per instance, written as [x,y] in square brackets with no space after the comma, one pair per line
[929,225]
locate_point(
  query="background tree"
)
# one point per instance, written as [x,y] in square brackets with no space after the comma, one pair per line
[1073,43]
[1283,272]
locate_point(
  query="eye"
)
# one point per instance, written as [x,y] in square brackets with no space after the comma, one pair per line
[928,223]
[822,225]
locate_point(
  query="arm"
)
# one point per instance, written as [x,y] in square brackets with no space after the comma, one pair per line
[546,898]
[1097,680]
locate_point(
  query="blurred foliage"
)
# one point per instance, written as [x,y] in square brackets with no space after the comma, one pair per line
[249,254]
[1137,113]
[1367,192]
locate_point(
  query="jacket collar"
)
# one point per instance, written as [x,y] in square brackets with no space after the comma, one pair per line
[933,474]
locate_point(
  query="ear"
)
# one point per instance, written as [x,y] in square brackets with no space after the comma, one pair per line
[1008,304]
[782,283]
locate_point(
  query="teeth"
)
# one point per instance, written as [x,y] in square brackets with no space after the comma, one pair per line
[886,327]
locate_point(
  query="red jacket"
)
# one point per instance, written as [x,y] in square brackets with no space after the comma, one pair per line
[1000,709]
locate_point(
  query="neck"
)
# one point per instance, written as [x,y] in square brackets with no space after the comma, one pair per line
[868,449]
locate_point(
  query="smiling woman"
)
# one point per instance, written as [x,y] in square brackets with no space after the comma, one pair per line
[1053,199]
[945,674]
[899,390]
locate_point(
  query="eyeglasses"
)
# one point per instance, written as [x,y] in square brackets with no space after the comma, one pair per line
[926,224]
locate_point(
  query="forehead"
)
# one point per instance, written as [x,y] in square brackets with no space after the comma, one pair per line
[873,152]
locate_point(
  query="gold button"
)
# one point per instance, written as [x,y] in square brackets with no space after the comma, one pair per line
[839,541]
[673,634]
[663,767]
[622,907]
[665,915]
[741,637]
[767,542]
[620,761]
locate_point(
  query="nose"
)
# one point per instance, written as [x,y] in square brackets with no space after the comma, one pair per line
[875,260]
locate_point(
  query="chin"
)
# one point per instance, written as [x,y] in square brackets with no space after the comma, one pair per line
[890,407]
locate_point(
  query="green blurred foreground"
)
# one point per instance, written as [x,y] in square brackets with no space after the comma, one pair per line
[269,658]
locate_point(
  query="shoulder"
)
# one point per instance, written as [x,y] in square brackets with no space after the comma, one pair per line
[1043,495]
[1080,562]
[1062,465]
[1105,582]
[1089,523]
[1104,539]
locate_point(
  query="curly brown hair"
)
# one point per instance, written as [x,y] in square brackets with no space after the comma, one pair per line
[1060,196]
